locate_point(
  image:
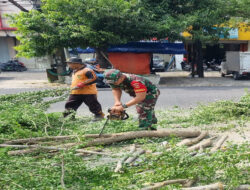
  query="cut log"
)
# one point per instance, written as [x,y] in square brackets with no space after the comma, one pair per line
[22,152]
[243,187]
[36,148]
[102,136]
[135,157]
[38,139]
[203,144]
[219,143]
[63,146]
[141,134]
[189,142]
[189,183]
[120,162]
[164,183]
[215,186]
[91,152]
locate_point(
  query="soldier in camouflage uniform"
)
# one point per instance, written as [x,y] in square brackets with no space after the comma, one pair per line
[144,92]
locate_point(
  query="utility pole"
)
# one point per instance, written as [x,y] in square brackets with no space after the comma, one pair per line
[18,5]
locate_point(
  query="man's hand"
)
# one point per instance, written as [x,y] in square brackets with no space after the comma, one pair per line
[117,109]
[80,85]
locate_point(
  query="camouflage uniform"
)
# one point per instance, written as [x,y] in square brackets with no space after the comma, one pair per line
[145,109]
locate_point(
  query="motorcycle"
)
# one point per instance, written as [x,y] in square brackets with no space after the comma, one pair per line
[213,65]
[13,65]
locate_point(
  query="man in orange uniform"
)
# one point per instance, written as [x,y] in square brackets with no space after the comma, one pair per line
[83,89]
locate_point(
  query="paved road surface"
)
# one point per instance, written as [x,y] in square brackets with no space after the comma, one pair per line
[183,97]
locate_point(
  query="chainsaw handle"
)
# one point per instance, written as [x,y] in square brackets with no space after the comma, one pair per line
[124,113]
[126,116]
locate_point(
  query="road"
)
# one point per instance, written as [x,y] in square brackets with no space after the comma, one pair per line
[181,96]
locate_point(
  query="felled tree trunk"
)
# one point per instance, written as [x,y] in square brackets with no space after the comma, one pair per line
[219,143]
[243,187]
[120,162]
[39,139]
[164,183]
[189,142]
[216,186]
[203,144]
[141,134]
[135,157]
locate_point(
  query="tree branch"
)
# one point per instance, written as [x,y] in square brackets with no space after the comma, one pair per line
[18,5]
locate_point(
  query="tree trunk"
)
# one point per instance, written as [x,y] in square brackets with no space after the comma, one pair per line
[140,134]
[61,65]
[198,58]
[102,58]
[165,183]
[188,142]
[216,186]
[193,62]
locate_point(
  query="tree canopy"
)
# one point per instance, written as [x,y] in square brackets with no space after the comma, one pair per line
[95,23]
[100,23]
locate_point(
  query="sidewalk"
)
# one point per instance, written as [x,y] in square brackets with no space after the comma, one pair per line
[30,79]
[212,78]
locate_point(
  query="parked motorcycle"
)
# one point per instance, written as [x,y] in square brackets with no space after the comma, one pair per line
[185,66]
[13,65]
[213,65]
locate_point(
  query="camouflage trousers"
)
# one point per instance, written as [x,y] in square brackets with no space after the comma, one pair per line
[146,111]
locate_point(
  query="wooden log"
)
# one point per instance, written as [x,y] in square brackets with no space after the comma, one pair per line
[91,152]
[135,157]
[189,142]
[37,147]
[189,183]
[38,139]
[22,152]
[102,136]
[243,187]
[203,144]
[120,162]
[219,143]
[164,183]
[141,134]
[215,186]
[31,146]
[60,147]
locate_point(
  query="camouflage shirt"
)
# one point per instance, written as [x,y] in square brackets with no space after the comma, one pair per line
[128,86]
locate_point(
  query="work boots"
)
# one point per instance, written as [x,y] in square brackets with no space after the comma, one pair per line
[98,117]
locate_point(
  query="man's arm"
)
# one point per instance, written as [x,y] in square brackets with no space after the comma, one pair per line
[140,95]
[137,99]
[90,74]
[117,92]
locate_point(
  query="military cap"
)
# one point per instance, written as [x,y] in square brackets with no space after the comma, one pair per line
[112,75]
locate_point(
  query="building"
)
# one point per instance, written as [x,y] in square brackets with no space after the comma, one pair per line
[8,37]
[238,40]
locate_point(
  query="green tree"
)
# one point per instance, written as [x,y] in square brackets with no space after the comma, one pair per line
[202,19]
[210,19]
[74,23]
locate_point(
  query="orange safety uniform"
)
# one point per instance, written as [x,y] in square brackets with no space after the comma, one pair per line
[79,76]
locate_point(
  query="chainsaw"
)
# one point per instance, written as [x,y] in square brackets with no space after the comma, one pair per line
[114,116]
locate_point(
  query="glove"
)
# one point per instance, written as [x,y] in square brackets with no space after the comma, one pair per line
[80,85]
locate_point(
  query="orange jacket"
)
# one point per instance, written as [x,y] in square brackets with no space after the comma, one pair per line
[80,77]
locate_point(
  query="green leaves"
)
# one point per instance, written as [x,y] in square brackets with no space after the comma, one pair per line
[23,115]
